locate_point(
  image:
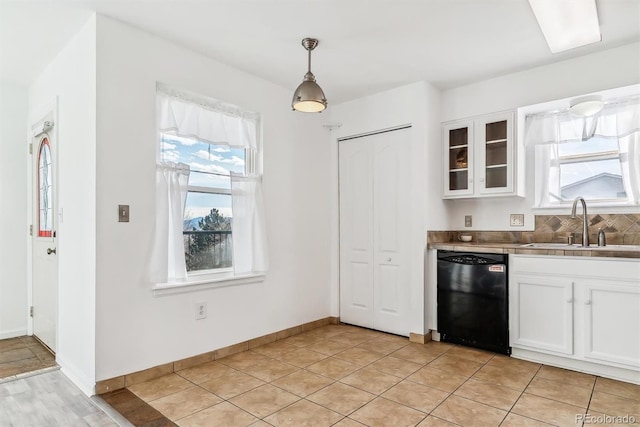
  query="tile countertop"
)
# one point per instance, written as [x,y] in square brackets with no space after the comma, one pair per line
[615,251]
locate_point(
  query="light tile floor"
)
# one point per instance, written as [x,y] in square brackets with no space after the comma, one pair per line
[346,376]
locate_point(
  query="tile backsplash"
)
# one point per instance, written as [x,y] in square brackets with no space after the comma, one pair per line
[619,228]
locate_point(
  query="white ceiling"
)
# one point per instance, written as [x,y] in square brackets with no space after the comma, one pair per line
[365,45]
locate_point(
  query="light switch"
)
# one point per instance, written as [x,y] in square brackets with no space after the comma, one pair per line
[123,213]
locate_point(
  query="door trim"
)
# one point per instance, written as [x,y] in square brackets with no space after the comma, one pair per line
[375,132]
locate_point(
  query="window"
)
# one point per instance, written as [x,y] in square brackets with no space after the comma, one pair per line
[45,192]
[207,222]
[210,223]
[590,169]
[595,157]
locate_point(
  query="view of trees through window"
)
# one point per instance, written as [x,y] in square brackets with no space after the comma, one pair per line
[208,242]
[208,218]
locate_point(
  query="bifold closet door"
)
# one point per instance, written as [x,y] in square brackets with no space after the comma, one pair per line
[374,231]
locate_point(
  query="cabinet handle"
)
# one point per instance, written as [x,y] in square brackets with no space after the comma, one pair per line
[388,259]
[587,302]
[570,300]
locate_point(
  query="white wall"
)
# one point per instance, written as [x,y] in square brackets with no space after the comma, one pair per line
[70,79]
[135,329]
[604,70]
[13,215]
[417,104]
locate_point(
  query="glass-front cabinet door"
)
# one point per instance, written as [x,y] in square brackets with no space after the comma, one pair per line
[458,145]
[495,157]
[479,157]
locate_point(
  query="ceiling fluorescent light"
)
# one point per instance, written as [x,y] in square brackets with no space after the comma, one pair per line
[567,24]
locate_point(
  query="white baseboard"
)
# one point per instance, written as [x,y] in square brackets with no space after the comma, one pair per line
[86,385]
[12,334]
[631,375]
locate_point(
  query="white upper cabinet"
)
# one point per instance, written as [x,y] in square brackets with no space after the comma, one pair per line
[480,157]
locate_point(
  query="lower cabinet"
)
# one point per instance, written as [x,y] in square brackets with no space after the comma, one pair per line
[541,313]
[582,312]
[611,321]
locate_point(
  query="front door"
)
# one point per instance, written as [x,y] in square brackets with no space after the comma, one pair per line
[45,256]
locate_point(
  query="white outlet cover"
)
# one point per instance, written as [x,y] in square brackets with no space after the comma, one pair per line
[517,220]
[201,310]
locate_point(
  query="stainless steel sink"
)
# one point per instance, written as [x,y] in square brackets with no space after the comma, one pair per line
[564,246]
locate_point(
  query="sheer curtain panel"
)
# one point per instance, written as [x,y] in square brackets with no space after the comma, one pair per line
[167,261]
[249,233]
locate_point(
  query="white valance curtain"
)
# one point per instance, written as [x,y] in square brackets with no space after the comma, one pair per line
[167,260]
[191,116]
[619,119]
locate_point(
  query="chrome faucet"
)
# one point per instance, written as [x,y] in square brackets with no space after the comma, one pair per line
[585,227]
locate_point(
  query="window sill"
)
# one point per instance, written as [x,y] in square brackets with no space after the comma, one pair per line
[203,283]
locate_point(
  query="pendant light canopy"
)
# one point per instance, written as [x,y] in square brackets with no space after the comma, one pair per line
[309,97]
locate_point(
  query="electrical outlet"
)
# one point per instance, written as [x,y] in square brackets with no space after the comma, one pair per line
[517,220]
[467,221]
[201,310]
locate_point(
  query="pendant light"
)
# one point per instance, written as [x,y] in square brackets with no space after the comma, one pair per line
[309,97]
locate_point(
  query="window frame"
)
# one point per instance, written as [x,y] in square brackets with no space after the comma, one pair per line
[223,271]
[199,280]
[542,172]
[587,157]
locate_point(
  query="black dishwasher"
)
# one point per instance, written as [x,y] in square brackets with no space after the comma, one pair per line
[473,301]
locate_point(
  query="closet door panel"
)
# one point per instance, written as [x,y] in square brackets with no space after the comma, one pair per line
[356,233]
[391,205]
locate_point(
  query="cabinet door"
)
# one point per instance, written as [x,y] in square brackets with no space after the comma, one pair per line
[612,321]
[541,313]
[458,159]
[495,154]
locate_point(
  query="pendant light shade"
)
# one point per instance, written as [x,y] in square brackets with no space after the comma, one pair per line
[309,97]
